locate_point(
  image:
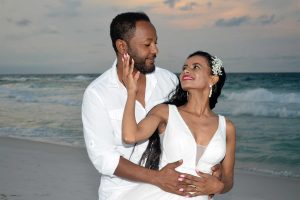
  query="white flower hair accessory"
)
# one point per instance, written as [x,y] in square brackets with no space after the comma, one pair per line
[217,64]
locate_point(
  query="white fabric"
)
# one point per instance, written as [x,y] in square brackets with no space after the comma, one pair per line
[102,112]
[179,143]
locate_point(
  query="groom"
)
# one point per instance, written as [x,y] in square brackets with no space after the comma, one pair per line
[102,111]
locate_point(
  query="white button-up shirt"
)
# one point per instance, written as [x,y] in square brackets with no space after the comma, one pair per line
[102,111]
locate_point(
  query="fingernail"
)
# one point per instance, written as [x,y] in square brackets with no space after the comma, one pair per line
[180,179]
[187,196]
[182,175]
[181,190]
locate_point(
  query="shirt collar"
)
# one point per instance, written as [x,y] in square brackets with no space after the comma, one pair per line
[151,81]
[114,79]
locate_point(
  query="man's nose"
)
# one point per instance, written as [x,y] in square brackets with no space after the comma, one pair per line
[154,49]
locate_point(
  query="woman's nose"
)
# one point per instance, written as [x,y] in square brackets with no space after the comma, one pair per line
[186,70]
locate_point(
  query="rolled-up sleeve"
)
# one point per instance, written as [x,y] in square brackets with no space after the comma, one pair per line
[98,134]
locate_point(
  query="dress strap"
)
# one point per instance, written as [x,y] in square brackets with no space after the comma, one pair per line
[222,124]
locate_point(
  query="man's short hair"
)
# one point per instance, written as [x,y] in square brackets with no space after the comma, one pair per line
[123,26]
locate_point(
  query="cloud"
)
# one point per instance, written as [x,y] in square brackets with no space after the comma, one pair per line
[50,30]
[188,6]
[68,8]
[235,21]
[15,37]
[171,3]
[21,22]
[265,19]
[145,8]
[209,4]
[238,21]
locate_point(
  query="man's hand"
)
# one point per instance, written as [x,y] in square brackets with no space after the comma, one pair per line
[167,178]
[205,184]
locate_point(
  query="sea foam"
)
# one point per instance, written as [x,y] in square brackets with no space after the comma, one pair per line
[263,102]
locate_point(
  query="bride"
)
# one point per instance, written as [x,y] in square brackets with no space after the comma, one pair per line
[184,128]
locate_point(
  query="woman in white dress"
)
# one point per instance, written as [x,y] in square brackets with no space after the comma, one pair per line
[188,130]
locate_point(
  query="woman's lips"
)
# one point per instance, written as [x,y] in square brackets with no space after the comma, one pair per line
[187,77]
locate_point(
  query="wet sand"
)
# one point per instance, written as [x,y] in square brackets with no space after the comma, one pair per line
[41,171]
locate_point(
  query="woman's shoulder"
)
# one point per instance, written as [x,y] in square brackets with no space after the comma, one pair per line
[229,123]
[160,108]
[230,128]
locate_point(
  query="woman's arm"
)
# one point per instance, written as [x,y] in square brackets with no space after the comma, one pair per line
[131,131]
[229,160]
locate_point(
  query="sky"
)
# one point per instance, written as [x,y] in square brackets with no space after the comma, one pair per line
[72,36]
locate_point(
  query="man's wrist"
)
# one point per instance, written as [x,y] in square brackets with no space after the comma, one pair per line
[154,177]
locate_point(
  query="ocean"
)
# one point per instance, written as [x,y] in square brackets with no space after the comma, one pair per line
[265,108]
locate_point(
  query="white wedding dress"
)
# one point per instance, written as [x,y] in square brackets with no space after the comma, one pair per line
[178,143]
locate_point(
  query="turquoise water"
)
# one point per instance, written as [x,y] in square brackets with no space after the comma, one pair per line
[264,107]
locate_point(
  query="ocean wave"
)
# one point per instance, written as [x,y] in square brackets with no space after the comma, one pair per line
[18,78]
[56,141]
[47,135]
[84,77]
[264,110]
[66,100]
[262,102]
[282,173]
[263,95]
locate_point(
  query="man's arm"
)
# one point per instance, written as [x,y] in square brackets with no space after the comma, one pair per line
[166,178]
[98,133]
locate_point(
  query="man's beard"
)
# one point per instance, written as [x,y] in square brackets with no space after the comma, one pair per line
[141,67]
[140,64]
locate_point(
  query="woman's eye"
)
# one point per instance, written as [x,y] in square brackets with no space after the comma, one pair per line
[196,66]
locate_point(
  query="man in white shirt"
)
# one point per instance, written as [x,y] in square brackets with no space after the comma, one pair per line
[104,101]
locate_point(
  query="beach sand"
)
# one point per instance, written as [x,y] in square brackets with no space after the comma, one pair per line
[40,171]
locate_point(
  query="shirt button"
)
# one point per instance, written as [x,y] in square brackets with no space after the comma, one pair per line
[91,143]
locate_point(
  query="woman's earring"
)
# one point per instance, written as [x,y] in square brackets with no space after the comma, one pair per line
[210,91]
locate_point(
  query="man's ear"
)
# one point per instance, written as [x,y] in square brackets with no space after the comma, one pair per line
[121,46]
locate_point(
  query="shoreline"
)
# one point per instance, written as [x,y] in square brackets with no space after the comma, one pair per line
[250,171]
[31,170]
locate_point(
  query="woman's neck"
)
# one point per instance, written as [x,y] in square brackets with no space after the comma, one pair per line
[198,104]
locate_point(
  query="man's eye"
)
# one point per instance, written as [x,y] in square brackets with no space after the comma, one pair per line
[147,45]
